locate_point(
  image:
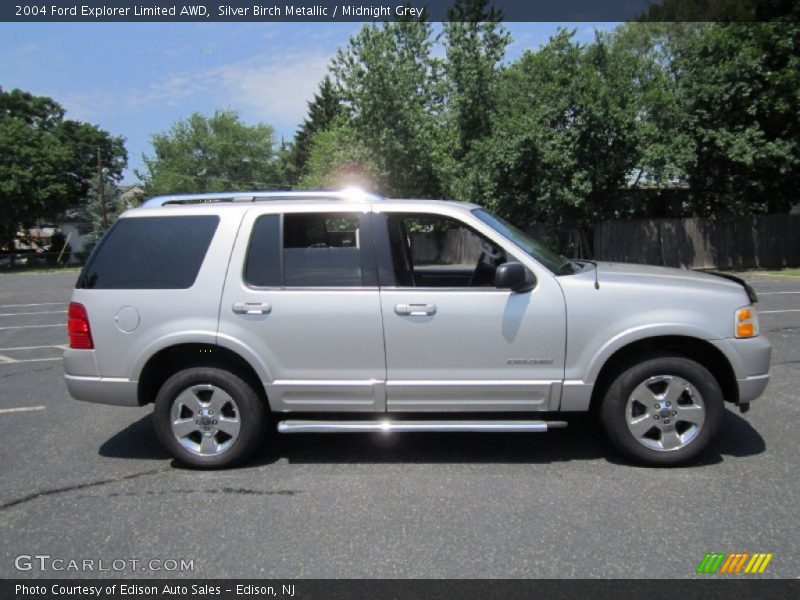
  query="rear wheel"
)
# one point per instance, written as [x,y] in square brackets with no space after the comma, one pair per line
[663,411]
[209,417]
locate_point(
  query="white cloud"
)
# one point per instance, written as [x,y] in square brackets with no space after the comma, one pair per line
[84,105]
[275,88]
[272,88]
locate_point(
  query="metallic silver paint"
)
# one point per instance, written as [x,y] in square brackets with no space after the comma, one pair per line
[346,349]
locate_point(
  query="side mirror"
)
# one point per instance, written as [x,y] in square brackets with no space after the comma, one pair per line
[514,276]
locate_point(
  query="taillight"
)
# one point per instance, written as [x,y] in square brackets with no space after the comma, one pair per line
[80,334]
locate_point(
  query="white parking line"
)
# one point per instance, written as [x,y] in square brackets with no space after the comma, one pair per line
[772,312]
[34,326]
[45,312]
[770,293]
[39,304]
[21,409]
[62,346]
[5,360]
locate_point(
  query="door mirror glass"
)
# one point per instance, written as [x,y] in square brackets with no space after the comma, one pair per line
[514,276]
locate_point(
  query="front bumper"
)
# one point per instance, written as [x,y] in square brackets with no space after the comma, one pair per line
[750,359]
[751,388]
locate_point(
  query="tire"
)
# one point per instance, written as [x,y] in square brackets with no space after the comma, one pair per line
[209,417]
[680,400]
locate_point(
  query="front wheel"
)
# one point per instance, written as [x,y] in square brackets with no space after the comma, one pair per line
[209,417]
[663,411]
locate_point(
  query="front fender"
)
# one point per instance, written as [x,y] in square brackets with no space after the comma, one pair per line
[635,334]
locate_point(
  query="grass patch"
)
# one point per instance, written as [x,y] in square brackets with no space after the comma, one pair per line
[786,272]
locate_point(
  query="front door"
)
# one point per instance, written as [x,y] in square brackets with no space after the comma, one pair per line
[453,341]
[301,298]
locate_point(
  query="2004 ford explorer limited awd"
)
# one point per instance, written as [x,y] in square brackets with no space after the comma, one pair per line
[347,312]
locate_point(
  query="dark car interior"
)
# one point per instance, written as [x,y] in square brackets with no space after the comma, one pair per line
[436,251]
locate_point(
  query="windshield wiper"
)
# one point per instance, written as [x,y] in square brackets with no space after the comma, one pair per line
[568,268]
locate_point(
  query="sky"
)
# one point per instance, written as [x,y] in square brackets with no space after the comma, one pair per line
[137,79]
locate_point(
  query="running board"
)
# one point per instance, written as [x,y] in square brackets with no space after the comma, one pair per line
[308,426]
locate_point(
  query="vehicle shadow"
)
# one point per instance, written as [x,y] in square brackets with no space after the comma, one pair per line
[581,440]
[137,440]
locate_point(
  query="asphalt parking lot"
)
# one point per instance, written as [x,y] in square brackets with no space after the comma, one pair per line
[83,481]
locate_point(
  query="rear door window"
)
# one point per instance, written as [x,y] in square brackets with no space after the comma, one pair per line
[263,265]
[150,253]
[298,250]
[322,250]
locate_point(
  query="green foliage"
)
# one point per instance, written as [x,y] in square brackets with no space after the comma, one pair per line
[388,82]
[740,85]
[563,135]
[337,160]
[46,161]
[322,111]
[212,154]
[475,43]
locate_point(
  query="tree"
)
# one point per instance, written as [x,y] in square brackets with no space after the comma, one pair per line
[387,80]
[212,154]
[114,207]
[475,44]
[740,84]
[563,137]
[322,111]
[664,144]
[336,159]
[46,161]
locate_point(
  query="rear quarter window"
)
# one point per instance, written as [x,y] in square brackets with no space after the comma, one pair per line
[150,253]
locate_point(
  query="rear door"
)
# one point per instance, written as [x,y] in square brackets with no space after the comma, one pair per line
[301,296]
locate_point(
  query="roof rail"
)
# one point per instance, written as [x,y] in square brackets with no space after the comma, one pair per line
[352,194]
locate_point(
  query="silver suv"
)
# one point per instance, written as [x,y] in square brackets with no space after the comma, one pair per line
[346,312]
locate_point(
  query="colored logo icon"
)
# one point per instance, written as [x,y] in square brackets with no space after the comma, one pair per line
[734,563]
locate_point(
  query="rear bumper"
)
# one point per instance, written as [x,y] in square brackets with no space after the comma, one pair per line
[119,392]
[84,382]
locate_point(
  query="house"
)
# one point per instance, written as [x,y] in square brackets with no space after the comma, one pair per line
[76,225]
[131,195]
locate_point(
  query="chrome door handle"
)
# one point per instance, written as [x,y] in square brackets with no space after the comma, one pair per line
[252,308]
[415,310]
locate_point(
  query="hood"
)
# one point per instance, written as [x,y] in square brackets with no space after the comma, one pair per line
[634,273]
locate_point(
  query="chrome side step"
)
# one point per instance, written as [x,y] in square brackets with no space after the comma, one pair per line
[387,425]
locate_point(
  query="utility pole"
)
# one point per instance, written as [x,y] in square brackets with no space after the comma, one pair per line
[102,183]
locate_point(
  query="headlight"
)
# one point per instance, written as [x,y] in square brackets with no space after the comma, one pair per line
[746,322]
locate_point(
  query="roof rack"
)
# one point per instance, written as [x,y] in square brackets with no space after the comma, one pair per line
[352,195]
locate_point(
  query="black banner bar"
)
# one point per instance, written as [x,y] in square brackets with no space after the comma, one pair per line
[731,588]
[390,10]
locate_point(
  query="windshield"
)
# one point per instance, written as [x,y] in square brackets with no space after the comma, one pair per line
[557,264]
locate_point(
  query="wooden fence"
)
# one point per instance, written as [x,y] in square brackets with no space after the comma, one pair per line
[769,241]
